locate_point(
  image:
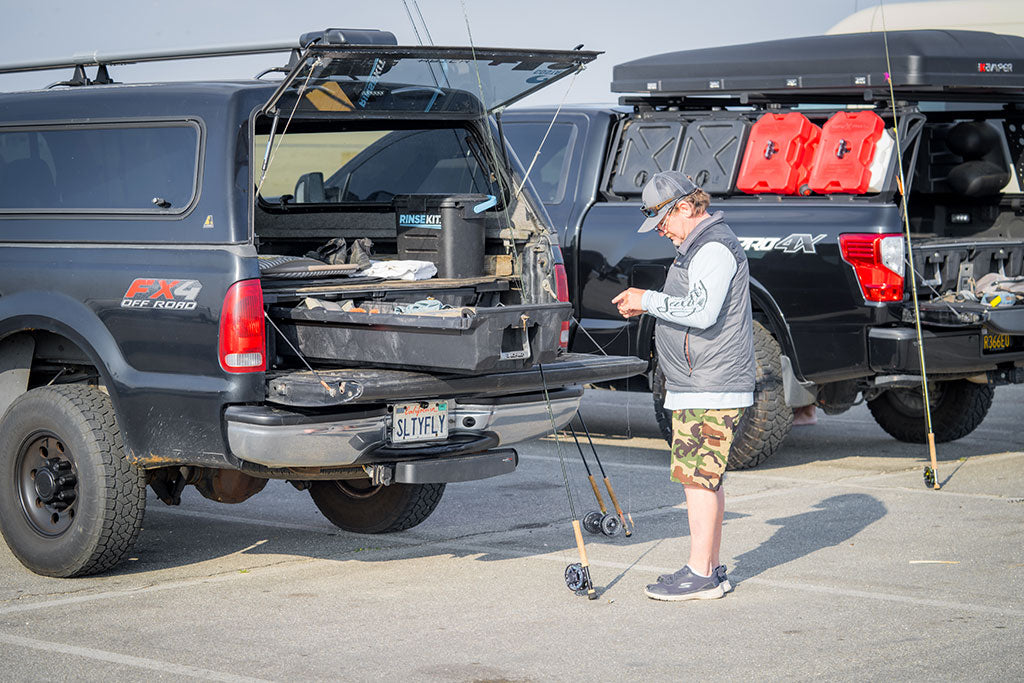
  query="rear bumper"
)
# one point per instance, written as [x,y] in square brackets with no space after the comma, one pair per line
[280,438]
[893,351]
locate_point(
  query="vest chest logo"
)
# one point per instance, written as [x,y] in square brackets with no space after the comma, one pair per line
[796,243]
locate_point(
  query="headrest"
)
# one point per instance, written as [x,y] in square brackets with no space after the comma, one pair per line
[977,178]
[972,139]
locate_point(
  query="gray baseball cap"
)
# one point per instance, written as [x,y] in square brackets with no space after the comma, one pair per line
[661,193]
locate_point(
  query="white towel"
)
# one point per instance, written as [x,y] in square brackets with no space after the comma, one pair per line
[400,270]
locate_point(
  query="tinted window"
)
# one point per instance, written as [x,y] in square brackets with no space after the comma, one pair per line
[139,168]
[551,168]
[373,166]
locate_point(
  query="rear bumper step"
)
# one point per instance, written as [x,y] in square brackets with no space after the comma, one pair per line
[461,468]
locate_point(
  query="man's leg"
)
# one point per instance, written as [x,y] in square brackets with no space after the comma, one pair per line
[716,431]
[698,463]
[704,510]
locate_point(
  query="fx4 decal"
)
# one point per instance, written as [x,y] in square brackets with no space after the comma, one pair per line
[798,242]
[175,295]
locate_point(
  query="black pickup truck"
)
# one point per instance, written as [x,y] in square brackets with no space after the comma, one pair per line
[187,294]
[828,257]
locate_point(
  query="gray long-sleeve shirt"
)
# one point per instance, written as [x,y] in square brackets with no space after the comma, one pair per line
[709,275]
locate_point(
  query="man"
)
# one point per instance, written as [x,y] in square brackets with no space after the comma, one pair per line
[705,346]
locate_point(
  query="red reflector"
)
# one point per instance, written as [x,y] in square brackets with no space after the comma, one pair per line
[878,262]
[243,346]
[561,283]
[562,294]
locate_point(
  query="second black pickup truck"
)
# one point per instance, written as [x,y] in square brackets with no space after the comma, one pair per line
[796,141]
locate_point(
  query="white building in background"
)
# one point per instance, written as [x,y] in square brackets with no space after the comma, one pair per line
[997,16]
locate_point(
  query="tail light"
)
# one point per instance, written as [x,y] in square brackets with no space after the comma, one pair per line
[243,346]
[878,262]
[562,294]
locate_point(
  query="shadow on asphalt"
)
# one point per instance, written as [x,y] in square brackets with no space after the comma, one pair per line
[831,522]
[168,543]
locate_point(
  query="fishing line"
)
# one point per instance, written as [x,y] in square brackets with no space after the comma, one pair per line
[415,30]
[629,421]
[551,125]
[577,576]
[929,474]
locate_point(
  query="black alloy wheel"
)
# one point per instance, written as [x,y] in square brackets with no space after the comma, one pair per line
[47,484]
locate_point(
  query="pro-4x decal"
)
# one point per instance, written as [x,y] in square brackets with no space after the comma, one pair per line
[797,243]
[167,294]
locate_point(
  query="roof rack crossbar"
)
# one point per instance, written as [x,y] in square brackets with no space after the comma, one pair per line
[106,59]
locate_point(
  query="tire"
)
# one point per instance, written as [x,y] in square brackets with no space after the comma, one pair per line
[356,505]
[958,407]
[62,444]
[764,425]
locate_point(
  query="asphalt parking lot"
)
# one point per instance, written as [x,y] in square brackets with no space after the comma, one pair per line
[846,567]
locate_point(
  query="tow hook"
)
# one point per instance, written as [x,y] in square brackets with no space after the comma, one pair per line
[380,475]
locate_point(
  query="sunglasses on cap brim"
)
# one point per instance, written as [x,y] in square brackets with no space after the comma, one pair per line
[651,212]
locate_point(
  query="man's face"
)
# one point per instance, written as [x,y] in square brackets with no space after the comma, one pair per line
[677,223]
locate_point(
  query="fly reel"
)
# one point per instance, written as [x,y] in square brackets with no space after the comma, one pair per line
[577,579]
[602,523]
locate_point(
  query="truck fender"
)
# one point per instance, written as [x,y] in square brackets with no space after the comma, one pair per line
[79,324]
[67,317]
[761,301]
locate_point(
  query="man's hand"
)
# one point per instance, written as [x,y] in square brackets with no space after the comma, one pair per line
[629,302]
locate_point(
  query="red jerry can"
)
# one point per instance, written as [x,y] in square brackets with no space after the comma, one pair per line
[778,156]
[842,162]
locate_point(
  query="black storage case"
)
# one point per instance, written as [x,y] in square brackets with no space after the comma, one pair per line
[647,147]
[442,229]
[466,340]
[711,153]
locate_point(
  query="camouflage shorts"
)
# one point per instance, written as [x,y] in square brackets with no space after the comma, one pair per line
[700,445]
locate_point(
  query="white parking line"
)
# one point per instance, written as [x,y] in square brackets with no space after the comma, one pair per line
[126,660]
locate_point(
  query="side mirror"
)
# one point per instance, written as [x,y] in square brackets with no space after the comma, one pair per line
[309,188]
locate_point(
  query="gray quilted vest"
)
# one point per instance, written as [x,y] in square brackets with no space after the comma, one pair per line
[721,357]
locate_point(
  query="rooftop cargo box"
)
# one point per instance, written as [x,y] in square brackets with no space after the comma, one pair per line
[947,62]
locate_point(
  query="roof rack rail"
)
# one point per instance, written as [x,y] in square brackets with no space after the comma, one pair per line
[113,58]
[78,62]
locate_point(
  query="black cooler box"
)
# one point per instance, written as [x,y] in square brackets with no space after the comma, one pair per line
[447,230]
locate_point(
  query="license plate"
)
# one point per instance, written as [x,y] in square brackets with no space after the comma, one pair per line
[996,342]
[422,421]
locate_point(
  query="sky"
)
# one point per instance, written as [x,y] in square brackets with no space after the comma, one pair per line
[623,30]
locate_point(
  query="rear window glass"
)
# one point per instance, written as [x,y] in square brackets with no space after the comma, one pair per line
[372,166]
[119,169]
[551,168]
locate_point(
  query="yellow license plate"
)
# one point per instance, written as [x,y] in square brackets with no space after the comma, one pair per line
[996,342]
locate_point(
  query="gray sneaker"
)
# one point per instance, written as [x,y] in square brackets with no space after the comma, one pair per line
[686,586]
[723,579]
[719,572]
